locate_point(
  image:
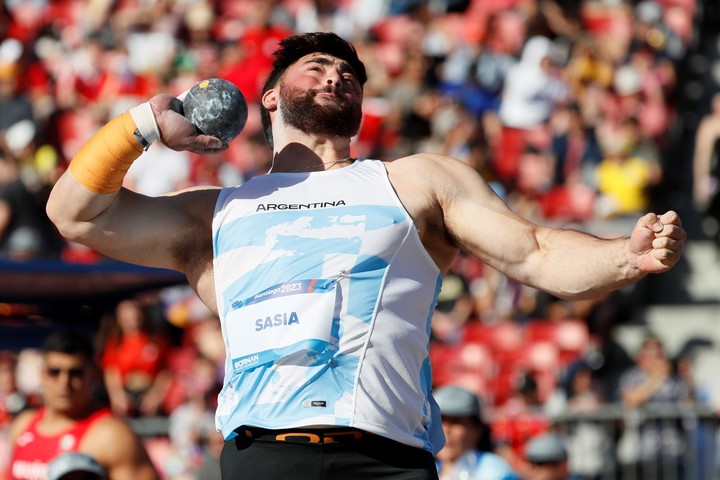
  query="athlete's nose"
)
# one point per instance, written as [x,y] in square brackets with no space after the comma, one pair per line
[333,77]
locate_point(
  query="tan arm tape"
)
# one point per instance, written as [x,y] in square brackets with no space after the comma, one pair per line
[103,161]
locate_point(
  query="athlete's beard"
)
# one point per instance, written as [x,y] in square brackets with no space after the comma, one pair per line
[340,118]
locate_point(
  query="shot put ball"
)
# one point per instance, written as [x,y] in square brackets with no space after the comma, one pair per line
[217,108]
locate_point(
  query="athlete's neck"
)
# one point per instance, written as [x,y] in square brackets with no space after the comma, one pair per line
[311,157]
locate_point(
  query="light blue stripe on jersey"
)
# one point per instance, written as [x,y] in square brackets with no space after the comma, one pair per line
[302,252]
[432,411]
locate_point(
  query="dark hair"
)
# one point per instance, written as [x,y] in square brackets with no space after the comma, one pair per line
[70,342]
[485,442]
[291,49]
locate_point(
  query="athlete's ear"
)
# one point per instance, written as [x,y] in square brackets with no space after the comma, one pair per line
[270,100]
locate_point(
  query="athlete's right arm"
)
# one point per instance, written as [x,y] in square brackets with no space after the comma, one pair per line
[89,206]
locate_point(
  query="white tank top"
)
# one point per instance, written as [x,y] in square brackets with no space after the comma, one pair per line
[325,294]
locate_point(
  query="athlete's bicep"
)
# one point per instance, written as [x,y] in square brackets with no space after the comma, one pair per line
[480,223]
[134,228]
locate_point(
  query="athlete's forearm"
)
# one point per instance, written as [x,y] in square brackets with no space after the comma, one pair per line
[103,161]
[576,265]
[97,171]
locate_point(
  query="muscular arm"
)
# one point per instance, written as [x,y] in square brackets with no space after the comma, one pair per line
[119,450]
[171,231]
[128,226]
[566,263]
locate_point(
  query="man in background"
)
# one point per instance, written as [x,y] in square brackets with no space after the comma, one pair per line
[71,420]
[468,452]
[547,458]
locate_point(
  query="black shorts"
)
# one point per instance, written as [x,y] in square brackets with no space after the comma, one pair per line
[342,454]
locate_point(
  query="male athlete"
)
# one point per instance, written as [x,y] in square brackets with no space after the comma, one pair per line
[325,272]
[71,421]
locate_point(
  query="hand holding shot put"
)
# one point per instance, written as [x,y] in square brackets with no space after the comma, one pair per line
[212,110]
[177,131]
[324,272]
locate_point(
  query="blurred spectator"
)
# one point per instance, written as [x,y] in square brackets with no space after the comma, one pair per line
[410,103]
[588,65]
[26,174]
[134,362]
[706,173]
[12,400]
[702,434]
[261,29]
[519,419]
[641,146]
[573,145]
[623,180]
[71,419]
[588,443]
[159,171]
[652,379]
[547,458]
[535,175]
[192,424]
[210,466]
[531,90]
[652,31]
[652,382]
[29,362]
[326,16]
[453,309]
[501,44]
[607,357]
[499,297]
[468,452]
[684,366]
[14,105]
[576,153]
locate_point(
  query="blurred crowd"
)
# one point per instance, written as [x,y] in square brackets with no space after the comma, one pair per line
[565,107]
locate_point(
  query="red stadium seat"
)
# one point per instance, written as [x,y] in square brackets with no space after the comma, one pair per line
[499,337]
[467,364]
[475,331]
[571,336]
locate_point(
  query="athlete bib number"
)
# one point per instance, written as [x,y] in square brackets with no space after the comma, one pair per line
[281,320]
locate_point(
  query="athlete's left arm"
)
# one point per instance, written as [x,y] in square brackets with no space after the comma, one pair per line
[566,263]
[17,427]
[119,450]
